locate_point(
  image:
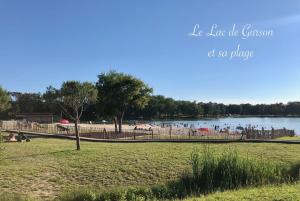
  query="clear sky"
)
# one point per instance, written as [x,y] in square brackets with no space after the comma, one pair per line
[46,42]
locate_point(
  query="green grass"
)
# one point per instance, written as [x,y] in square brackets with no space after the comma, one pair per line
[289,138]
[267,193]
[208,173]
[44,168]
[289,192]
[14,197]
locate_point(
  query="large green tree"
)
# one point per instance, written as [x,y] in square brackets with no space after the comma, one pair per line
[117,92]
[4,100]
[4,104]
[27,103]
[73,97]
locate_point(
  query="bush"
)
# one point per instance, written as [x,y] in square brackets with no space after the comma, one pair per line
[294,171]
[82,195]
[139,194]
[229,171]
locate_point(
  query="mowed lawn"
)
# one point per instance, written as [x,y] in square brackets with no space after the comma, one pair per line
[44,168]
[289,138]
[265,193]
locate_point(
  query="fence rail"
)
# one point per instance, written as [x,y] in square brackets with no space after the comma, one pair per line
[134,133]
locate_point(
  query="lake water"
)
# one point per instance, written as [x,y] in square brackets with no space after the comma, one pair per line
[292,123]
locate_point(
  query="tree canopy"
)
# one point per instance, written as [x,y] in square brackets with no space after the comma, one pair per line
[5,100]
[124,96]
[117,92]
[73,98]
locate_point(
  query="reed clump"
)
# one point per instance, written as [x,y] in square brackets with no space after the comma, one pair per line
[211,172]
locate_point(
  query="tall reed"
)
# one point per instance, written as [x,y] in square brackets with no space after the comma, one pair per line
[229,170]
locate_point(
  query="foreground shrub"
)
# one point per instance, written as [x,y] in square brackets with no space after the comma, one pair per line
[294,171]
[84,195]
[139,194]
[229,171]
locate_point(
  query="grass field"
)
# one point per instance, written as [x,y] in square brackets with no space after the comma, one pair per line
[289,138]
[268,193]
[44,168]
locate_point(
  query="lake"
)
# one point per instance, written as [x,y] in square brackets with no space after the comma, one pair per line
[292,123]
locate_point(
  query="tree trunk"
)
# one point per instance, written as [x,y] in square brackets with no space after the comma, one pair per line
[77,134]
[116,124]
[120,124]
[120,121]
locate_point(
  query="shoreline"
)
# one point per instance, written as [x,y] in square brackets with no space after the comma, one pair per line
[214,117]
[205,118]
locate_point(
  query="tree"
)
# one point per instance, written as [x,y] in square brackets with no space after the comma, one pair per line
[117,92]
[170,107]
[73,97]
[293,108]
[4,104]
[4,100]
[27,103]
[155,107]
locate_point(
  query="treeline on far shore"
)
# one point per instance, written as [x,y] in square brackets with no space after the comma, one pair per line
[158,107]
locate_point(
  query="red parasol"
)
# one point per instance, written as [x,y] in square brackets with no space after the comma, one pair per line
[64,121]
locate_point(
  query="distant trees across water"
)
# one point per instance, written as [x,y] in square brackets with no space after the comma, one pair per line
[122,96]
[162,107]
[158,107]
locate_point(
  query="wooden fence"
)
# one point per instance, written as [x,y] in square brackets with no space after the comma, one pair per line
[268,134]
[92,131]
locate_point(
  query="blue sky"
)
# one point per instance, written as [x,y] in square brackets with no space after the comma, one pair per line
[44,43]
